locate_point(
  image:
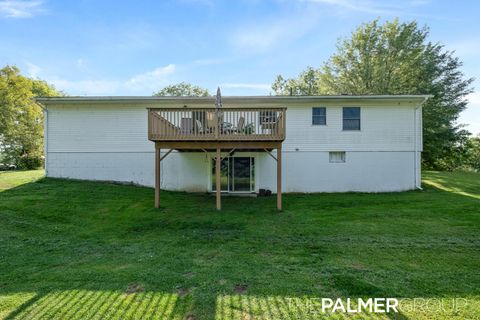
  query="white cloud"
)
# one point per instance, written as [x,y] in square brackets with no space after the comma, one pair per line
[364,6]
[255,37]
[208,62]
[140,84]
[257,41]
[80,63]
[474,98]
[208,3]
[87,87]
[305,16]
[33,70]
[373,7]
[21,8]
[471,116]
[151,79]
[466,47]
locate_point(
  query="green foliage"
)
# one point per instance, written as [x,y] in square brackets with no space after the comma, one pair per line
[87,250]
[249,129]
[27,162]
[307,83]
[470,155]
[21,119]
[396,58]
[182,89]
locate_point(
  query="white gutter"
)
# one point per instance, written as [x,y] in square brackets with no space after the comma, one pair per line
[227,99]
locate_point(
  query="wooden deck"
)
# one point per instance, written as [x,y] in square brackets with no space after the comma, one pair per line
[218,130]
[207,124]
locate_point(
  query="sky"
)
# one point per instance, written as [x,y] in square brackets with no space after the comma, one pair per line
[92,47]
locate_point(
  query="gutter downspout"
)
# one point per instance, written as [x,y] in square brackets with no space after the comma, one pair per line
[415,157]
[45,134]
[417,183]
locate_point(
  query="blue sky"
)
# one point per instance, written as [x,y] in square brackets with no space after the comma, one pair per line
[92,47]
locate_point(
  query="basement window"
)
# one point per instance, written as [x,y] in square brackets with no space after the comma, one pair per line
[337,156]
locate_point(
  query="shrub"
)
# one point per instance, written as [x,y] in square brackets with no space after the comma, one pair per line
[29,162]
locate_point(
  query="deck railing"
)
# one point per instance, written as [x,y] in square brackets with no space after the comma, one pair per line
[210,124]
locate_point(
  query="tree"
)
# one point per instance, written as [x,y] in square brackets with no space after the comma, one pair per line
[396,58]
[471,159]
[21,119]
[307,83]
[182,89]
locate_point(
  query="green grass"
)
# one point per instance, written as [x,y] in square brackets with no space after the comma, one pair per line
[10,179]
[85,250]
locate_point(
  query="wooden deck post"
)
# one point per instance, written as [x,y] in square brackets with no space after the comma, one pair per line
[157,177]
[218,187]
[279,178]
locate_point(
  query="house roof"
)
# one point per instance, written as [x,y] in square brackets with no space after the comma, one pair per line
[282,100]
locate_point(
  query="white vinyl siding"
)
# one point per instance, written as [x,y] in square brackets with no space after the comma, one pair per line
[109,142]
[389,128]
[124,129]
[362,172]
[98,129]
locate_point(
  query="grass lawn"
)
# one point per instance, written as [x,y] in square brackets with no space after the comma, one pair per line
[11,179]
[85,250]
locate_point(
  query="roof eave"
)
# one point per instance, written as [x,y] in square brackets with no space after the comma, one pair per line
[272,99]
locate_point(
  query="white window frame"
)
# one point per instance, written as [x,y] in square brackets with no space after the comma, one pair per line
[359,119]
[337,156]
[313,116]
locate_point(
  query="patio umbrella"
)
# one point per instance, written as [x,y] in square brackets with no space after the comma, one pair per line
[218,100]
[218,106]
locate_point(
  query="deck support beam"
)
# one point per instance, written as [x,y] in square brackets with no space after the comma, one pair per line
[158,159]
[217,180]
[166,154]
[270,154]
[279,178]
[207,146]
[157,176]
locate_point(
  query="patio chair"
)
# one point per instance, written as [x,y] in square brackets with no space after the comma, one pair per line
[199,125]
[186,126]
[240,125]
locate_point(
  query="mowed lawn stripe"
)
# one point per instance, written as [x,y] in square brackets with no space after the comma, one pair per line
[71,248]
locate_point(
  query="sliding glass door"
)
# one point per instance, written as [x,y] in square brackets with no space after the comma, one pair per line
[237,174]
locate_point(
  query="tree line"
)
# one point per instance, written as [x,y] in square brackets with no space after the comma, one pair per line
[21,119]
[376,59]
[397,58]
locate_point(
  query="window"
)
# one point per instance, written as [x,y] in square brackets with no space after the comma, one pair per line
[351,118]
[337,156]
[268,117]
[319,116]
[237,174]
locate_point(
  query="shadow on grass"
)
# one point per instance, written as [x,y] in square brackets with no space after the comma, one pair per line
[83,304]
[80,247]
[462,183]
[89,304]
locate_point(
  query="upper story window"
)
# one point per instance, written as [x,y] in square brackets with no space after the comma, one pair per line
[351,118]
[319,116]
[268,117]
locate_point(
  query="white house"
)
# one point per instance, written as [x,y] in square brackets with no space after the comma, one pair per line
[327,143]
